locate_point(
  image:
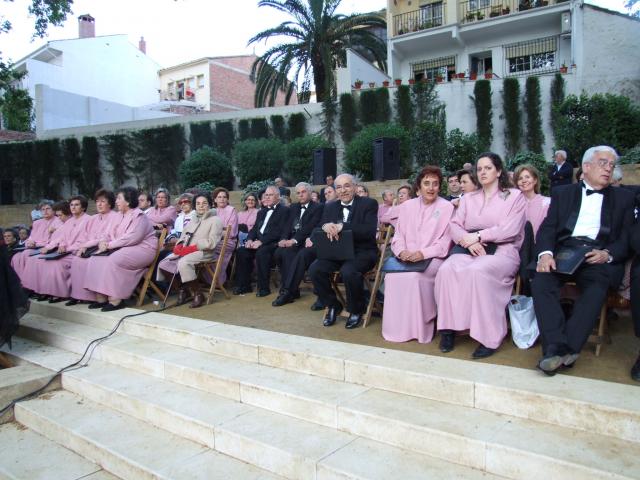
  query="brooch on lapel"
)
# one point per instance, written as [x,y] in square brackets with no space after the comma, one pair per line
[504,194]
[436,214]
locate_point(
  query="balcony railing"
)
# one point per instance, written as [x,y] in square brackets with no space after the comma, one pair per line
[429,16]
[474,10]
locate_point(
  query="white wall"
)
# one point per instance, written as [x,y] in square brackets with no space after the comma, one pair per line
[358,68]
[176,74]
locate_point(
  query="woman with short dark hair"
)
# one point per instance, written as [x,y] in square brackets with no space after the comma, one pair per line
[473,287]
[162,214]
[131,245]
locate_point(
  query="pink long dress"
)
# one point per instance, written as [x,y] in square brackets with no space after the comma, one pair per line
[166,215]
[95,229]
[472,292]
[229,216]
[29,277]
[248,217]
[409,300]
[40,235]
[117,275]
[536,211]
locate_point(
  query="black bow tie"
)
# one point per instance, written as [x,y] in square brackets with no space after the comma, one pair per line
[348,207]
[303,207]
[590,192]
[270,208]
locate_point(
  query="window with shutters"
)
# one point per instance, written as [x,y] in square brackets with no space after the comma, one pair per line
[533,56]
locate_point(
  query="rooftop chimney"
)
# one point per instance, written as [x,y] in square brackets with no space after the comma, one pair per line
[142,45]
[86,26]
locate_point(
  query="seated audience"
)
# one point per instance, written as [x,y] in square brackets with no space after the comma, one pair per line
[527,179]
[422,233]
[229,217]
[468,167]
[282,187]
[635,290]
[405,192]
[588,214]
[261,244]
[10,237]
[247,217]
[145,202]
[292,256]
[330,194]
[362,190]
[94,230]
[196,245]
[329,182]
[23,235]
[494,214]
[454,189]
[360,215]
[388,200]
[13,300]
[185,204]
[132,245]
[162,215]
[315,197]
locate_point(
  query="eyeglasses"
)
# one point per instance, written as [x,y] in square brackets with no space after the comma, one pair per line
[185,201]
[605,162]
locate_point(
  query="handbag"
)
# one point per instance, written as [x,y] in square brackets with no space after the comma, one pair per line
[524,325]
[395,265]
[490,248]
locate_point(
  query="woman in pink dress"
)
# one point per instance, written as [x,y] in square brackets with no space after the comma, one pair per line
[162,214]
[40,235]
[229,217]
[95,228]
[248,216]
[133,244]
[472,290]
[422,232]
[527,179]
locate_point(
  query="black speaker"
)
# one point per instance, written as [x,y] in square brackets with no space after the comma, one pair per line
[386,158]
[324,164]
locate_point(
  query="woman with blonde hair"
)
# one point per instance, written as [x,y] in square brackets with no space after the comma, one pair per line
[527,179]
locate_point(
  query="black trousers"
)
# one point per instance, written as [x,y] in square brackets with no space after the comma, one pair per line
[263,257]
[285,257]
[299,264]
[635,294]
[351,272]
[560,335]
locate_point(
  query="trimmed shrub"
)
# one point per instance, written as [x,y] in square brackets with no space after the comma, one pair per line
[538,161]
[256,187]
[206,165]
[71,159]
[297,125]
[404,107]
[383,108]
[461,147]
[534,135]
[156,155]
[512,116]
[348,117]
[46,169]
[429,143]
[116,150]
[557,97]
[90,161]
[368,107]
[298,165]
[225,137]
[329,114]
[358,158]
[201,135]
[257,159]
[427,106]
[244,131]
[482,104]
[632,156]
[259,128]
[278,127]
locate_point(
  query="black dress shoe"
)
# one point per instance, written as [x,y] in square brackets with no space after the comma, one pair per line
[355,320]
[482,352]
[72,302]
[263,293]
[42,298]
[241,290]
[331,316]
[110,307]
[635,370]
[295,295]
[447,341]
[317,305]
[56,299]
[282,299]
[96,305]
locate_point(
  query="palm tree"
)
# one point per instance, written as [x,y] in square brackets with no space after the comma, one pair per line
[318,39]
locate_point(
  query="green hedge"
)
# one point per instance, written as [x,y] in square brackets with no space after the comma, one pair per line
[461,148]
[383,108]
[632,156]
[90,161]
[429,143]
[534,135]
[117,149]
[512,116]
[368,107]
[297,125]
[484,112]
[404,106]
[225,137]
[259,128]
[278,127]
[298,166]
[257,159]
[206,165]
[201,134]
[348,117]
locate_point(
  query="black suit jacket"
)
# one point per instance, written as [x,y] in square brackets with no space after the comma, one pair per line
[615,221]
[564,176]
[308,222]
[276,225]
[363,221]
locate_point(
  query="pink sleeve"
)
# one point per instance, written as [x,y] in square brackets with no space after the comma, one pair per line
[389,216]
[456,225]
[441,244]
[399,242]
[512,223]
[233,221]
[139,228]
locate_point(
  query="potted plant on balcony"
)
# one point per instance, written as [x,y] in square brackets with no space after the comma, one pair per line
[473,76]
[372,84]
[506,10]
[412,81]
[460,75]
[385,83]
[480,15]
[488,75]
[563,68]
[358,84]
[439,79]
[471,16]
[398,82]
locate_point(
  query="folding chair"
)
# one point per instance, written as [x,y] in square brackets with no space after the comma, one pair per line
[147,280]
[383,242]
[214,272]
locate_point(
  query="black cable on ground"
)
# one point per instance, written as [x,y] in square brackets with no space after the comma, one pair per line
[80,363]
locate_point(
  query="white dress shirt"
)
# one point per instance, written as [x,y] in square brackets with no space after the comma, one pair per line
[588,223]
[266,220]
[346,212]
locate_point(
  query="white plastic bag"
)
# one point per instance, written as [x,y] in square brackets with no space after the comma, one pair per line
[524,326]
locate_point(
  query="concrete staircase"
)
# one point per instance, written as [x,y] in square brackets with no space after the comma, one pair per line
[173,397]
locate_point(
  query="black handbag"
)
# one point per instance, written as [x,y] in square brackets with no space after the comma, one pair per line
[395,265]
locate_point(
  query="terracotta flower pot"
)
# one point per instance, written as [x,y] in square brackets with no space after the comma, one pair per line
[398,82]
[385,83]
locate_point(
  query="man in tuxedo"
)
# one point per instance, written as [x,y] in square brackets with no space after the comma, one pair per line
[261,244]
[329,180]
[634,238]
[562,172]
[358,214]
[453,187]
[593,214]
[304,216]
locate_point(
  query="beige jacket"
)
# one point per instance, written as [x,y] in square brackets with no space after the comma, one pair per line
[204,232]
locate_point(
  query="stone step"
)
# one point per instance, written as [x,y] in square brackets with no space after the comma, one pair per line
[21,380]
[470,437]
[27,455]
[124,446]
[579,403]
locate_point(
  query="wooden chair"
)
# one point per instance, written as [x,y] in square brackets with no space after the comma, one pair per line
[147,280]
[214,268]
[600,334]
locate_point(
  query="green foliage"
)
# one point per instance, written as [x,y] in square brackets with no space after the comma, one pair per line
[90,161]
[597,120]
[17,109]
[46,169]
[117,149]
[298,165]
[538,161]
[259,128]
[348,117]
[244,132]
[631,157]
[482,104]
[368,107]
[534,135]
[22,158]
[206,165]
[429,143]
[201,135]
[427,106]
[203,187]
[404,106]
[557,97]
[156,155]
[461,148]
[512,116]
[329,113]
[383,108]
[70,156]
[257,159]
[358,158]
[256,187]
[297,125]
[225,137]
[278,127]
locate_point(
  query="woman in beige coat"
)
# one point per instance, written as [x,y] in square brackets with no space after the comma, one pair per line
[196,245]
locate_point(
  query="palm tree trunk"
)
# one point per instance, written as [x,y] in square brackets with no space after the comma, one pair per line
[320,79]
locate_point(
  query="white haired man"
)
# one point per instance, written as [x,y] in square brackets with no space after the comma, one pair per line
[561,173]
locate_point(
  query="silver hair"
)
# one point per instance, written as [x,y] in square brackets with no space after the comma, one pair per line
[590,153]
[560,152]
[387,190]
[186,196]
[45,202]
[617,174]
[275,189]
[304,185]
[348,175]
